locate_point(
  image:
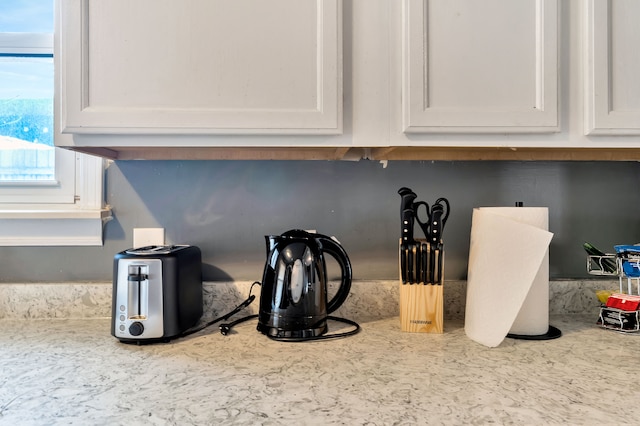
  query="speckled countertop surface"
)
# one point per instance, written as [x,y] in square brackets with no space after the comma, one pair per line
[66,371]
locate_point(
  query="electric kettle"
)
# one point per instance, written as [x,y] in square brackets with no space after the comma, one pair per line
[293,297]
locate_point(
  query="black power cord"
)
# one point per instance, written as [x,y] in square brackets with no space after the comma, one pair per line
[226,327]
[237,309]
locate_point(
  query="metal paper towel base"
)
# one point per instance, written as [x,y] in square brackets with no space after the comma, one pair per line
[552,333]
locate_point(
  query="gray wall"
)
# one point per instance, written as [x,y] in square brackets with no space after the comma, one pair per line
[226,207]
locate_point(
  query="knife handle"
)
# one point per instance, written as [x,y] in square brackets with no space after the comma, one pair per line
[407,197]
[406,214]
[436,224]
[428,273]
[424,254]
[403,263]
[407,227]
[410,262]
[436,278]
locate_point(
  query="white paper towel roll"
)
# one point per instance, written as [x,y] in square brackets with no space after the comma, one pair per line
[508,273]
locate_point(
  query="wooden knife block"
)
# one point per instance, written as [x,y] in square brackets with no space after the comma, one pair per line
[422,305]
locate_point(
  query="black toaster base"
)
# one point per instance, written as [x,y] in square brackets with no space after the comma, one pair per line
[140,342]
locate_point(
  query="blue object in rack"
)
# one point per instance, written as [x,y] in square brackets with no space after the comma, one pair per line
[630,256]
[627,249]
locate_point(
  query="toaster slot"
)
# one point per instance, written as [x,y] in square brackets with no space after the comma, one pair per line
[138,292]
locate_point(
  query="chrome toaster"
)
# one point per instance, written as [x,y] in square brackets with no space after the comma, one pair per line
[157,292]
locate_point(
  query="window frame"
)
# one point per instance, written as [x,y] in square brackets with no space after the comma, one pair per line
[69,211]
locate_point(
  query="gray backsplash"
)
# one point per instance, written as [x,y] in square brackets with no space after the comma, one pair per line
[226,208]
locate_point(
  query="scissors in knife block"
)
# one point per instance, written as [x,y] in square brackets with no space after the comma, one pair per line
[421,249]
[432,228]
[424,225]
[439,216]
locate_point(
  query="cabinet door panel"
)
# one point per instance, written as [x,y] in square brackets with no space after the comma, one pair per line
[612,98]
[473,66]
[202,66]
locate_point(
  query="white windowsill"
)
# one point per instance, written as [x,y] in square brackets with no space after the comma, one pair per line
[73,227]
[69,210]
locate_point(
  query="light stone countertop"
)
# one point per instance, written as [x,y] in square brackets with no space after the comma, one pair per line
[72,371]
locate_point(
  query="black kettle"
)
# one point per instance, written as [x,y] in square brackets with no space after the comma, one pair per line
[293,296]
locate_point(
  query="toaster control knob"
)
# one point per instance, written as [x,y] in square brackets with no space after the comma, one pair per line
[136,329]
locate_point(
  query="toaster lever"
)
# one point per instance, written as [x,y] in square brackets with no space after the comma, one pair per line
[136,273]
[137,277]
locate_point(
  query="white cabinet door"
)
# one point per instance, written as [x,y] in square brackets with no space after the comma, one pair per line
[201,66]
[480,66]
[612,95]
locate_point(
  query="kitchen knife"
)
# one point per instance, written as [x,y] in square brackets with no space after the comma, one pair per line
[406,214]
[418,264]
[436,267]
[408,253]
[403,263]
[428,265]
[407,244]
[407,259]
[441,265]
[406,229]
[424,253]
[435,229]
[434,237]
[407,226]
[412,263]
[420,267]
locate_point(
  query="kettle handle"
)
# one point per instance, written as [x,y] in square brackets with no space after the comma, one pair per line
[336,251]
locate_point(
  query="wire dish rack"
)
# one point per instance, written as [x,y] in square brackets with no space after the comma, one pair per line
[625,264]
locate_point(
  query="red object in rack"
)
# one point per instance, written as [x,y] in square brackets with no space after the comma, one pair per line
[624,302]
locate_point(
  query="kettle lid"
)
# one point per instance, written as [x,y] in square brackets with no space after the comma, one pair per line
[298,233]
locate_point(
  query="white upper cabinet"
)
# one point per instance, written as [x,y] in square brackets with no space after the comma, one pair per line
[332,79]
[612,41]
[201,67]
[474,66]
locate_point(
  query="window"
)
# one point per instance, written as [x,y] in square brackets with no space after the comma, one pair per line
[26,91]
[26,116]
[48,196]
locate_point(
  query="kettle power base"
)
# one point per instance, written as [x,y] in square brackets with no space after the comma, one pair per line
[280,333]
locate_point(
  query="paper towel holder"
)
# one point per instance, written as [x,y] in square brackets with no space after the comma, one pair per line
[552,333]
